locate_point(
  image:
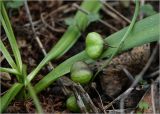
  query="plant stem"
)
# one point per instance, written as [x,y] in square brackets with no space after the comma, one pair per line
[107,62]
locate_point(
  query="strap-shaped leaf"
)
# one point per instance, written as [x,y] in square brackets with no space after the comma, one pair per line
[9,96]
[6,54]
[9,32]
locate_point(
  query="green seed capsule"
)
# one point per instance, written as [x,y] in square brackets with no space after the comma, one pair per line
[81,73]
[72,104]
[94,45]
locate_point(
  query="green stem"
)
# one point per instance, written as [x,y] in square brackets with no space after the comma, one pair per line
[107,62]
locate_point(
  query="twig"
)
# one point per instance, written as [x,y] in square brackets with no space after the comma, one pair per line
[50,14]
[119,97]
[34,32]
[129,75]
[87,13]
[152,97]
[7,85]
[3,92]
[79,101]
[87,98]
[115,11]
[122,106]
[100,100]
[49,26]
[152,75]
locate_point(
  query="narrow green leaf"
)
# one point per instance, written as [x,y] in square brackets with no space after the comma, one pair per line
[32,92]
[9,96]
[9,70]
[144,31]
[7,56]
[9,32]
[71,35]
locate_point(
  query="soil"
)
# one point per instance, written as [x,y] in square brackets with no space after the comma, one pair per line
[108,85]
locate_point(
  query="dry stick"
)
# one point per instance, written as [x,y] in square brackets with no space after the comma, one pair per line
[152,97]
[115,11]
[129,75]
[49,26]
[87,98]
[7,85]
[79,101]
[117,111]
[122,106]
[35,35]
[84,94]
[139,77]
[110,13]
[50,14]
[87,13]
[100,100]
[3,93]
[154,74]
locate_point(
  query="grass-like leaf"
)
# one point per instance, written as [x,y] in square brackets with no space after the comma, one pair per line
[9,32]
[9,96]
[144,31]
[71,35]
[9,70]
[32,92]
[7,55]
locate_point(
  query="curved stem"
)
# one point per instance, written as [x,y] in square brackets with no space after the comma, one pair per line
[107,62]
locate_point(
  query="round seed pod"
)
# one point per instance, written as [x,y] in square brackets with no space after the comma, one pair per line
[94,45]
[71,104]
[81,73]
